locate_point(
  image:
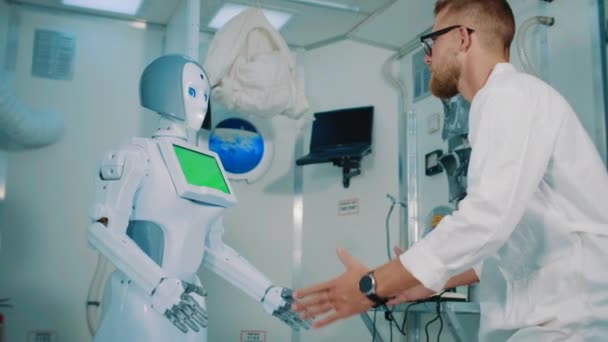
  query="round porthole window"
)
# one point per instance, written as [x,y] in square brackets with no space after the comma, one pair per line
[242,147]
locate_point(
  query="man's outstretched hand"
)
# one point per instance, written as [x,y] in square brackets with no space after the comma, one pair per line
[337,298]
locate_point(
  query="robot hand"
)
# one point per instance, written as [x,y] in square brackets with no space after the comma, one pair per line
[277,302]
[178,301]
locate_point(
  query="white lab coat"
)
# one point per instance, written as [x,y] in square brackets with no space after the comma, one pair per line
[536,215]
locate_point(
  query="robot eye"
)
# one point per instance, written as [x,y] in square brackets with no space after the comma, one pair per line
[192,92]
[202,77]
[206,97]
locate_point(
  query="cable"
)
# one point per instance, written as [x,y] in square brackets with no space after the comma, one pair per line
[388,315]
[374,324]
[438,317]
[390,327]
[426,326]
[388,217]
[407,309]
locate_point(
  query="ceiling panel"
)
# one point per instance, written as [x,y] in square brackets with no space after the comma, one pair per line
[388,23]
[155,11]
[311,23]
[398,24]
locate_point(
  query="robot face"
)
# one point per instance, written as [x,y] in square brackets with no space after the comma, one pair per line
[196,92]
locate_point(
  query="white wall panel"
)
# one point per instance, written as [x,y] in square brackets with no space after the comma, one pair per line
[45,263]
[348,74]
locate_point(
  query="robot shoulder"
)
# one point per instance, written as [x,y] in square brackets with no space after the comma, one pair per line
[130,157]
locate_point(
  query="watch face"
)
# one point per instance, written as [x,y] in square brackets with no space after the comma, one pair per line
[365,284]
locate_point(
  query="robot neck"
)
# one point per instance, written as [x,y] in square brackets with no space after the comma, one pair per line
[169,127]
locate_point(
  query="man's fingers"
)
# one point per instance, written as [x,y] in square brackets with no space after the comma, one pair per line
[397,300]
[311,301]
[326,321]
[398,251]
[307,291]
[316,310]
[346,258]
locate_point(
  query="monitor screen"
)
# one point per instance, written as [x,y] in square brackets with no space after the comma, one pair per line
[201,169]
[342,127]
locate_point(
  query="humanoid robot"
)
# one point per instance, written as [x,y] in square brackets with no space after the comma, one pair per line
[158,216]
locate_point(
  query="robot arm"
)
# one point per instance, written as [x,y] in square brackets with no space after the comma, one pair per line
[227,263]
[119,179]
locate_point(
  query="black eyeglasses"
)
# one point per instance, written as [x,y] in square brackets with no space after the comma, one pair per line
[428,39]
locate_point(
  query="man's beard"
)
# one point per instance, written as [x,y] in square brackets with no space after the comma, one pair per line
[444,81]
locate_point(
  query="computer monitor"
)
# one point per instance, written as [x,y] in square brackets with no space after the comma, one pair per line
[350,126]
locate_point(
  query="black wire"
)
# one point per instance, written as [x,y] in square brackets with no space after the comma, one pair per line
[440,328]
[388,314]
[407,309]
[374,324]
[390,326]
[438,317]
[426,326]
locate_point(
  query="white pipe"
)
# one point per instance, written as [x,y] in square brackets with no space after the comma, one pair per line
[24,129]
[521,37]
[406,115]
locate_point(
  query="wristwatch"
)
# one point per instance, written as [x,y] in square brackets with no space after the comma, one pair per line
[367,286]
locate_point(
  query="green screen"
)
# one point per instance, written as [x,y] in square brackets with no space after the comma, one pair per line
[200,169]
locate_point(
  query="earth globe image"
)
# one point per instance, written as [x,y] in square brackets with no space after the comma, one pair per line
[239,145]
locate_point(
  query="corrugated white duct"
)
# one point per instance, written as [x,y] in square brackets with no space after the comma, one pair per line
[21,128]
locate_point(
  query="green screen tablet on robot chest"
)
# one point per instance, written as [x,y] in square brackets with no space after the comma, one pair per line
[196,173]
[200,169]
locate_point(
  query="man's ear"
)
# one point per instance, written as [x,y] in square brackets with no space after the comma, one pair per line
[465,42]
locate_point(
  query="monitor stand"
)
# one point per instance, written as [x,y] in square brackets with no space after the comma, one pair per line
[351,166]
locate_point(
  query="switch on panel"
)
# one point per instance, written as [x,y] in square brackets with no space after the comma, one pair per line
[433,123]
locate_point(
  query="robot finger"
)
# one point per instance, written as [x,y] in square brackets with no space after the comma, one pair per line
[184,317]
[176,321]
[202,312]
[297,321]
[198,318]
[191,288]
[194,314]
[186,298]
[192,325]
[186,309]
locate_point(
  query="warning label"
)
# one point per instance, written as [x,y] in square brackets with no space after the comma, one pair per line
[253,336]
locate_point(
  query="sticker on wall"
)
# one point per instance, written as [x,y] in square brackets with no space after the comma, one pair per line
[253,335]
[349,206]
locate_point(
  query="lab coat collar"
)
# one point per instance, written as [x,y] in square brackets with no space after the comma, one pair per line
[499,69]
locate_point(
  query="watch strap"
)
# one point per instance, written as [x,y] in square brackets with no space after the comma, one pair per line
[377,300]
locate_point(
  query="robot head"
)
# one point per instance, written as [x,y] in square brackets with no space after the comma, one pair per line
[176,86]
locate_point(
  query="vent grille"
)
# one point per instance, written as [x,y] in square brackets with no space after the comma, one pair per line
[53,55]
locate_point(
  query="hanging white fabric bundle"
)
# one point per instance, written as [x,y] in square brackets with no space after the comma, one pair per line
[252,70]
